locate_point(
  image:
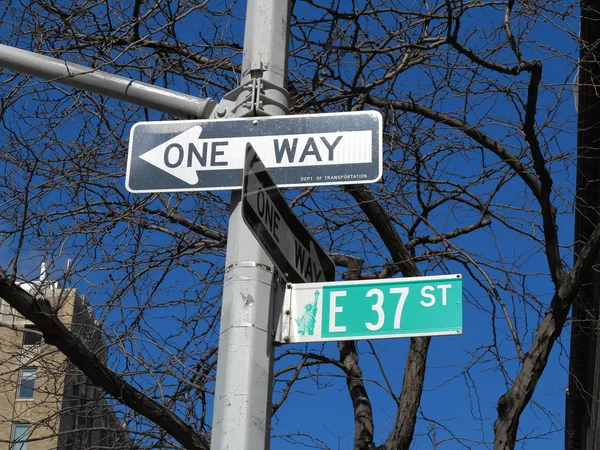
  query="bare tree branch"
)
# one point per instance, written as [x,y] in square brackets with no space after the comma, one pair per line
[39,311]
[414,371]
[511,404]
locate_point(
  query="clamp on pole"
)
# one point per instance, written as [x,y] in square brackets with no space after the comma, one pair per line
[256,97]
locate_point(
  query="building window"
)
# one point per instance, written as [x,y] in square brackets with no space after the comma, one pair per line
[19,436]
[32,338]
[26,383]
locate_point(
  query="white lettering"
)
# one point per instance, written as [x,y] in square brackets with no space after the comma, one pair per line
[431,297]
[333,310]
[377,307]
[403,291]
[443,287]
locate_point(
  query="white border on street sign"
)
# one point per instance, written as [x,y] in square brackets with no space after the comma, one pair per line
[298,295]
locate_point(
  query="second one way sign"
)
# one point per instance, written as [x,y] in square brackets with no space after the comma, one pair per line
[296,253]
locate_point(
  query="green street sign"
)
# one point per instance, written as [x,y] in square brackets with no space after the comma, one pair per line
[374,309]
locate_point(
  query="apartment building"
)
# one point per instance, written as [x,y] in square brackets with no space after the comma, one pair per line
[45,402]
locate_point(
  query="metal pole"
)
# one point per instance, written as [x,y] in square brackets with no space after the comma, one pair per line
[244,380]
[103,83]
[266,38]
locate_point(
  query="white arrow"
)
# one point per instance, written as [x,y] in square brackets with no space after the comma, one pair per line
[173,156]
[185,154]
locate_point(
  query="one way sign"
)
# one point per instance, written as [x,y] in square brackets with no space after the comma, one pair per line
[303,150]
[294,251]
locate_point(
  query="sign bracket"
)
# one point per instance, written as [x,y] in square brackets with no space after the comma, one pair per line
[282,333]
[256,97]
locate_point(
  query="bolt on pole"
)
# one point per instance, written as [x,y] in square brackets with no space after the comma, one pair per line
[244,380]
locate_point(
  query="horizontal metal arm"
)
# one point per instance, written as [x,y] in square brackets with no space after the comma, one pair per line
[91,80]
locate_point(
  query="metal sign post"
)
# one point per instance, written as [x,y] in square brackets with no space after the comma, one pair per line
[244,380]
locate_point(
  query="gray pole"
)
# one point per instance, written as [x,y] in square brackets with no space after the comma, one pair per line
[103,83]
[242,402]
[266,39]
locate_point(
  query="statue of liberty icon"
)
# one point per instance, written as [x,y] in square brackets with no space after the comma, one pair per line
[306,323]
